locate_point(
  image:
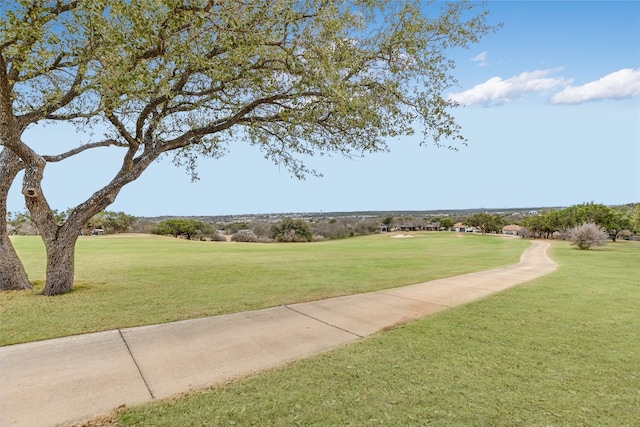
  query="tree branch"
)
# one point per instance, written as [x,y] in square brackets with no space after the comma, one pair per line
[78,150]
[122,129]
[49,108]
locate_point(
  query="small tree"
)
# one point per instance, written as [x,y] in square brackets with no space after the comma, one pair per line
[292,230]
[446,223]
[185,227]
[388,222]
[588,235]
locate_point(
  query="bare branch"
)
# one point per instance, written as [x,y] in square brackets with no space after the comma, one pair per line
[78,150]
[71,116]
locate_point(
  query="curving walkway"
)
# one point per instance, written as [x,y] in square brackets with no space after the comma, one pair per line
[67,379]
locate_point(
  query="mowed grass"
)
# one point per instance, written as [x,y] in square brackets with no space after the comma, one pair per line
[563,350]
[124,281]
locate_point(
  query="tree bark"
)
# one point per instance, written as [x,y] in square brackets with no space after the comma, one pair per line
[60,264]
[12,273]
[13,276]
[59,241]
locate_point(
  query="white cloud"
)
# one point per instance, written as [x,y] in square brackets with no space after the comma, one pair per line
[497,91]
[621,84]
[481,59]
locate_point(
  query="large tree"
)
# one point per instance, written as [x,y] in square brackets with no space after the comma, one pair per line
[188,77]
[487,223]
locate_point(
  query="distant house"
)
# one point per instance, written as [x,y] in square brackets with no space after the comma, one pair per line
[462,228]
[409,226]
[511,229]
[434,226]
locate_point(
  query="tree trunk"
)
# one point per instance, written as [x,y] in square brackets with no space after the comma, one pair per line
[13,277]
[60,264]
[12,273]
[59,239]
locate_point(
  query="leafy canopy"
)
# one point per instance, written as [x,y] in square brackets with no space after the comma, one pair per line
[291,77]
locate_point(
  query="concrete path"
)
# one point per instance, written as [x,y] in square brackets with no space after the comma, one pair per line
[58,381]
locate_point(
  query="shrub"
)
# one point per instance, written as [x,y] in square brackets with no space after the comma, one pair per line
[262,230]
[332,229]
[587,235]
[366,226]
[217,237]
[625,234]
[244,236]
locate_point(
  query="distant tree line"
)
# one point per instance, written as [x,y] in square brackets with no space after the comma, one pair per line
[556,224]
[284,230]
[619,222]
[109,222]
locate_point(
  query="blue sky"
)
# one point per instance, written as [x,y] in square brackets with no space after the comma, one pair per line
[551,112]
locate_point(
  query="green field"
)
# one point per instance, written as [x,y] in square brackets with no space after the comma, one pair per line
[563,350]
[124,281]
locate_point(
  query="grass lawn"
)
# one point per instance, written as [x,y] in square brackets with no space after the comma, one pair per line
[563,350]
[124,281]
